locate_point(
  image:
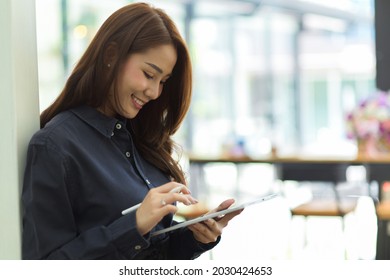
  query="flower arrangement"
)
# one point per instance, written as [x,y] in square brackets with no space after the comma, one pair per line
[369,124]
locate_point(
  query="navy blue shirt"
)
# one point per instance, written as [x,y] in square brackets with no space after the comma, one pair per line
[82,171]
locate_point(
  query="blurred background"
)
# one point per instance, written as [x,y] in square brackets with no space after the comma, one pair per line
[270,77]
[269,73]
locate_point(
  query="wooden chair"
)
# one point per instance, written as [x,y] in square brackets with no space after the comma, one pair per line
[332,205]
[326,207]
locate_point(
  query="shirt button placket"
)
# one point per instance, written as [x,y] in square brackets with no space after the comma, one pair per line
[119,126]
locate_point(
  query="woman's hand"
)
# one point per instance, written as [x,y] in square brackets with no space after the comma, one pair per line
[158,203]
[208,231]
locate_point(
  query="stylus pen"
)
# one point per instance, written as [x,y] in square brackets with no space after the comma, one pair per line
[135,207]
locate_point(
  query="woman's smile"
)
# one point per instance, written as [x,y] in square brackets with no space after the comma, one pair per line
[138,103]
[141,79]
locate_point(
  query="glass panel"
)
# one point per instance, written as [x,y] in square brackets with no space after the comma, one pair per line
[337,70]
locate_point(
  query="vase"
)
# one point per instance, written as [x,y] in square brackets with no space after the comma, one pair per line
[361,149]
[372,148]
[367,148]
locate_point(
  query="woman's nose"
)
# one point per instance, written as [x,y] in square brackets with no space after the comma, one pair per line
[153,91]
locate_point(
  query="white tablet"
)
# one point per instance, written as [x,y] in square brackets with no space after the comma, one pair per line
[215,214]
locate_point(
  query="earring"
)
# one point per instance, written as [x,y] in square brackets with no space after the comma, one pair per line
[108,65]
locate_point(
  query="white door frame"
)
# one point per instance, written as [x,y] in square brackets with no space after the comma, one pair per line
[19,113]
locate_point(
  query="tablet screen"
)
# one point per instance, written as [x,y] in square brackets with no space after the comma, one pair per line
[216,214]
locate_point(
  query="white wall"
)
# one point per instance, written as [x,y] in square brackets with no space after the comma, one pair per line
[19,113]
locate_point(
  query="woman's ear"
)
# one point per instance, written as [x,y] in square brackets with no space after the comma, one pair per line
[111,54]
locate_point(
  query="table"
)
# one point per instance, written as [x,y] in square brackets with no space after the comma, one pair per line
[301,168]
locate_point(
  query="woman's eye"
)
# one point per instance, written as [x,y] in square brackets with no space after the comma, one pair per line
[150,77]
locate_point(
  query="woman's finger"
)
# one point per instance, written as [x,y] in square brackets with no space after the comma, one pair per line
[224,205]
[172,187]
[202,233]
[183,198]
[226,218]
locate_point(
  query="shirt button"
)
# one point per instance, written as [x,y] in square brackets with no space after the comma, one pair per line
[137,247]
[128,154]
[118,126]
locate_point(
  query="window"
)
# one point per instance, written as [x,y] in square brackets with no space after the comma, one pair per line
[265,74]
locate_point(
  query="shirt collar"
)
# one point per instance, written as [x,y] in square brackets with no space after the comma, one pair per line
[102,123]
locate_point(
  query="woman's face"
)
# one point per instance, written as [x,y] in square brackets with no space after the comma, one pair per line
[141,80]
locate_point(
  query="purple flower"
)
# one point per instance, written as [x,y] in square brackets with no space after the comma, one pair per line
[382,99]
[370,119]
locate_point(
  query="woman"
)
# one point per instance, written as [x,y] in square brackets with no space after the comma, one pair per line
[105,145]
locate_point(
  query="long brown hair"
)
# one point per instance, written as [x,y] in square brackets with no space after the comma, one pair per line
[133,29]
